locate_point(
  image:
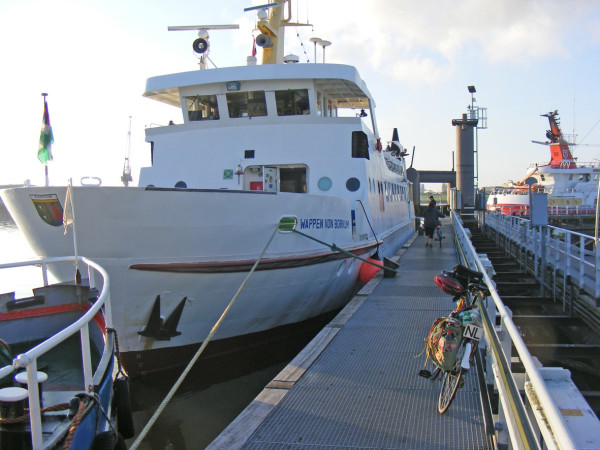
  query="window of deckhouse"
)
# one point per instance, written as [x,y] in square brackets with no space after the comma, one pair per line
[246,104]
[202,107]
[292,102]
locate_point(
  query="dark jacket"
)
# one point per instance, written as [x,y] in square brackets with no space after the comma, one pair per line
[431,217]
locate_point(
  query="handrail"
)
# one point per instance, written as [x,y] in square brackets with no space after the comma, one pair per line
[28,359]
[558,252]
[560,432]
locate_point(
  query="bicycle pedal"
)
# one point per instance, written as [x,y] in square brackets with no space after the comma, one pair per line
[425,373]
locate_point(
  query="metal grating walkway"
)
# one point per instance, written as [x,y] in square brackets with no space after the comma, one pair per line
[363,389]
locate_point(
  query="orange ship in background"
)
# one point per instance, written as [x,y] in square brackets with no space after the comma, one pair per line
[572,187]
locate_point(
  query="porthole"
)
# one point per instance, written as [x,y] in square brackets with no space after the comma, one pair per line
[324,183]
[352,184]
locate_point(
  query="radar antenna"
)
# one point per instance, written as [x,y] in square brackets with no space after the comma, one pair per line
[201,45]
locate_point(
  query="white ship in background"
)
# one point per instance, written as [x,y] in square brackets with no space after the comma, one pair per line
[258,146]
[572,187]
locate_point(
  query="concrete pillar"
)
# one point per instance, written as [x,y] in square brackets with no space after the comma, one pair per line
[414,177]
[465,157]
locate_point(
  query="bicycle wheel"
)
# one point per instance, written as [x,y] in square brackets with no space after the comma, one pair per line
[449,386]
[451,382]
[439,232]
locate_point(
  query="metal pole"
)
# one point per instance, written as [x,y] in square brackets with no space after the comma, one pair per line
[597,213]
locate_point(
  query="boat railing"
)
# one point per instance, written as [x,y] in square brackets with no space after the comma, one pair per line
[509,191]
[28,360]
[549,429]
[591,164]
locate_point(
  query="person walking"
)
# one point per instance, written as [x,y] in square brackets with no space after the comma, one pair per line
[430,220]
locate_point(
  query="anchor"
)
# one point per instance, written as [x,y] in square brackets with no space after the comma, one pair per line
[161,330]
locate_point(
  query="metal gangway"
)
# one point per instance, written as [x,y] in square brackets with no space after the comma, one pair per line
[356,384]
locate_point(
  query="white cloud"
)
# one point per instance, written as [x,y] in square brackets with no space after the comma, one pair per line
[433,35]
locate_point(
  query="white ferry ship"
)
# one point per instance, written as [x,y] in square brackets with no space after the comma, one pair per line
[572,186]
[259,146]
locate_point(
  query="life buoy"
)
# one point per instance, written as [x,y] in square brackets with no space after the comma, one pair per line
[200,45]
[123,405]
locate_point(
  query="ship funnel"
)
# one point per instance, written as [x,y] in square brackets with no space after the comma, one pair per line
[262,40]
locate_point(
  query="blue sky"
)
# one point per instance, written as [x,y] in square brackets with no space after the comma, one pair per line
[92,57]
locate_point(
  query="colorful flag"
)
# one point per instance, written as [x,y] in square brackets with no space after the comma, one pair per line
[254,47]
[46,137]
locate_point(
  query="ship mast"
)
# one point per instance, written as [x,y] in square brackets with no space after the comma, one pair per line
[272,28]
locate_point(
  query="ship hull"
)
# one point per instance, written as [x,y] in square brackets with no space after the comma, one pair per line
[176,259]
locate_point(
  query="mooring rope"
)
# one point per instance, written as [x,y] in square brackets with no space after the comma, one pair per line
[25,417]
[335,248]
[214,329]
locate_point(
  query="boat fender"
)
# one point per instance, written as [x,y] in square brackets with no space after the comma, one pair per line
[108,440]
[368,271]
[122,402]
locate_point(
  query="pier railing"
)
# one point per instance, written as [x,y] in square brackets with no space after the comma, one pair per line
[520,423]
[556,257]
[28,360]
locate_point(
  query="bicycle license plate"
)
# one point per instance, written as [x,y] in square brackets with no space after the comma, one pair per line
[473,332]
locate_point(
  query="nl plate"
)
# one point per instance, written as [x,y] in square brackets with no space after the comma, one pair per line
[473,332]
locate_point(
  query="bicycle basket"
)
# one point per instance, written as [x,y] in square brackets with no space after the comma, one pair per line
[449,285]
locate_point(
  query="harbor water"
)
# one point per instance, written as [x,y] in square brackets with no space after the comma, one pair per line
[213,393]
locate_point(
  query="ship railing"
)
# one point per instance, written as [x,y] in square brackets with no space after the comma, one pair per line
[591,164]
[530,421]
[28,360]
[565,210]
[568,256]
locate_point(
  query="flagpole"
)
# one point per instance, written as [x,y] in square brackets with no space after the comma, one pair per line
[46,140]
[45,94]
[70,205]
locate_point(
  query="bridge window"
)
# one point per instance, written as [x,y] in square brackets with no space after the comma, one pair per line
[202,107]
[246,104]
[292,102]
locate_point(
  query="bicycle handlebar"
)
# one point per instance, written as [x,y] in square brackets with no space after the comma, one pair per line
[477,288]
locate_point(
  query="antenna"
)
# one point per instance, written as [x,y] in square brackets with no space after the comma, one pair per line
[201,45]
[126,177]
[324,44]
[268,5]
[315,40]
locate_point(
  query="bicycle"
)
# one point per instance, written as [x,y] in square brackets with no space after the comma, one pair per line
[458,334]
